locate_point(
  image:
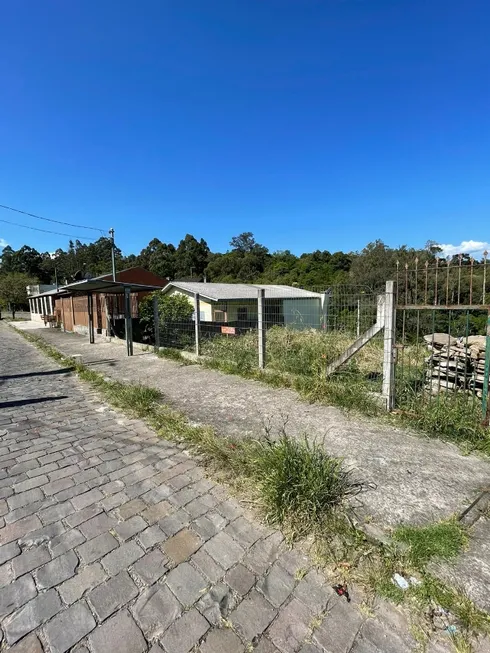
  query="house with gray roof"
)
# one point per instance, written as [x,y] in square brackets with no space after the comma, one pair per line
[236,304]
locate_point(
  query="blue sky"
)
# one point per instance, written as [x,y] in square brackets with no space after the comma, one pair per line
[316,124]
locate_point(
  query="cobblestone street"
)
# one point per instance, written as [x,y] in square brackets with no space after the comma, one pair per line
[113,539]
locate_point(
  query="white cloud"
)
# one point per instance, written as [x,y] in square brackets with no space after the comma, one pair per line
[3,243]
[473,247]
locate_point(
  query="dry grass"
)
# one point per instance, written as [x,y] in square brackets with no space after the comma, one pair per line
[298,359]
[304,352]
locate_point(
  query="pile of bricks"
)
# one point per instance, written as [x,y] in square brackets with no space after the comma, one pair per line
[455,364]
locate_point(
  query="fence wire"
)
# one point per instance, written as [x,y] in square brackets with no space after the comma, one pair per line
[442,334]
[177,334]
[301,332]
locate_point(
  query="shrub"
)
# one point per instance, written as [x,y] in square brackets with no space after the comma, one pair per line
[175,315]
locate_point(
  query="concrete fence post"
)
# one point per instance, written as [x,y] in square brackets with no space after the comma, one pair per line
[388,390]
[108,330]
[156,325]
[261,326]
[197,322]
[486,377]
[63,315]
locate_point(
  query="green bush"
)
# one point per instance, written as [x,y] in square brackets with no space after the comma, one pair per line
[175,316]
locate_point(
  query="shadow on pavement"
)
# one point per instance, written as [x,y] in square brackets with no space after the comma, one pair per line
[65,370]
[25,402]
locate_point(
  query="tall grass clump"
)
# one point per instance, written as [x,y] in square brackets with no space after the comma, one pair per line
[236,354]
[302,352]
[300,485]
[171,354]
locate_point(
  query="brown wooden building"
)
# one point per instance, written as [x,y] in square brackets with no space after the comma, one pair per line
[71,310]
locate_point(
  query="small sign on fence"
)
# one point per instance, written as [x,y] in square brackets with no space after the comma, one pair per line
[227,330]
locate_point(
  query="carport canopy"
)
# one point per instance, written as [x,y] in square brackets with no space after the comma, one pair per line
[90,286]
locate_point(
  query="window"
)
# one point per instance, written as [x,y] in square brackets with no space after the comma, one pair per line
[242,314]
[219,316]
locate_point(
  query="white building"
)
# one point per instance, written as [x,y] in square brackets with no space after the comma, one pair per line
[41,302]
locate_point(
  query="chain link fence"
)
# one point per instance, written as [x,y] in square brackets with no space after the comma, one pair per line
[294,336]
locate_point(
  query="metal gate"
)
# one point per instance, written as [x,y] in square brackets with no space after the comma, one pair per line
[443,334]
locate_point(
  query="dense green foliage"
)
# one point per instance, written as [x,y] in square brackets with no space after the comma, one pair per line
[245,261]
[65,265]
[13,292]
[171,308]
[175,311]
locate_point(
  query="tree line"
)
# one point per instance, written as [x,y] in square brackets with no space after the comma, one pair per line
[246,261]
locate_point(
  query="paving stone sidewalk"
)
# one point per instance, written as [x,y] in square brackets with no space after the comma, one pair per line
[112,539]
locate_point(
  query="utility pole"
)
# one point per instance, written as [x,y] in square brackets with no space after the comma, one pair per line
[113,253]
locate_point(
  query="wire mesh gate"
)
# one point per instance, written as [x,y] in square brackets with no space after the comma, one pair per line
[443,335]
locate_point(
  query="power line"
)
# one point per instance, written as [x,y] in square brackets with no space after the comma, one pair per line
[47,231]
[40,217]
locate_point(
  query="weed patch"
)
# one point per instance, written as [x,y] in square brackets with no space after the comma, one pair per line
[443,540]
[351,557]
[171,354]
[299,484]
[452,417]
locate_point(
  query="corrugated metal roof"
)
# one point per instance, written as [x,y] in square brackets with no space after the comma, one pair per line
[101,285]
[228,291]
[48,293]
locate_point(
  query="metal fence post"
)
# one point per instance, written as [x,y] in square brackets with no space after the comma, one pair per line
[90,310]
[156,324]
[261,326]
[388,390]
[197,322]
[128,320]
[327,295]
